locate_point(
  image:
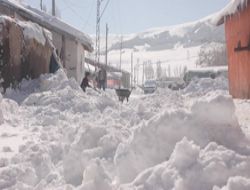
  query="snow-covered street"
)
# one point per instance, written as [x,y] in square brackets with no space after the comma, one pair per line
[54,136]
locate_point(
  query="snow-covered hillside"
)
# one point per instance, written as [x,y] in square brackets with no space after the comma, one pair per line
[185,35]
[54,136]
[174,46]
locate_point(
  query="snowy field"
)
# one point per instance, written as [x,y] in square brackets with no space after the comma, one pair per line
[55,137]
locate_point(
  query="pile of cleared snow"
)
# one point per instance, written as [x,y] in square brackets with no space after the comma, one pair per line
[191,167]
[88,141]
[25,88]
[70,129]
[206,85]
[154,141]
[236,183]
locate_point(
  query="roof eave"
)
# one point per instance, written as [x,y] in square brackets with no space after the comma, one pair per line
[220,21]
[87,44]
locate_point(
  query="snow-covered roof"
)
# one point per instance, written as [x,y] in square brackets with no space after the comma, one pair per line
[30,30]
[50,22]
[233,7]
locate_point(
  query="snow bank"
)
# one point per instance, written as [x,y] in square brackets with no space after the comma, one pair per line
[70,130]
[206,85]
[25,88]
[89,141]
[236,183]
[192,168]
[153,142]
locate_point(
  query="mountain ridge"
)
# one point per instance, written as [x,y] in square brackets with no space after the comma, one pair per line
[189,34]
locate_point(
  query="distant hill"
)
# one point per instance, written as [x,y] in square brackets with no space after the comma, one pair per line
[187,35]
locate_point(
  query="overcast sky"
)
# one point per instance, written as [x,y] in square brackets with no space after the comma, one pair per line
[130,16]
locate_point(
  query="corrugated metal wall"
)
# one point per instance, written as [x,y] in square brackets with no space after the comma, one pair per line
[238,35]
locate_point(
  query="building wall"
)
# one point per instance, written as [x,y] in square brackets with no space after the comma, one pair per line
[21,58]
[80,63]
[57,41]
[72,53]
[125,80]
[11,43]
[71,58]
[113,83]
[238,30]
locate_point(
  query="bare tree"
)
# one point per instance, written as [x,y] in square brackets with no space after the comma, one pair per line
[179,71]
[212,55]
[149,71]
[169,71]
[158,70]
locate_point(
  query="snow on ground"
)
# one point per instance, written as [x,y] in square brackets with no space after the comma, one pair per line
[205,85]
[243,113]
[172,60]
[54,136]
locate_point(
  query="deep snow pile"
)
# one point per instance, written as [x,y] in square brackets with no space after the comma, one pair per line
[72,140]
[198,87]
[154,141]
[243,114]
[192,168]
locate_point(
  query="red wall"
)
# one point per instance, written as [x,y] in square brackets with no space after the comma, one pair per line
[238,29]
[112,83]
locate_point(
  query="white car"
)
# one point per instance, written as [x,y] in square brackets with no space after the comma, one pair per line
[149,86]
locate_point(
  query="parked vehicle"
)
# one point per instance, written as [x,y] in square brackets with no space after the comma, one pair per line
[149,87]
[178,85]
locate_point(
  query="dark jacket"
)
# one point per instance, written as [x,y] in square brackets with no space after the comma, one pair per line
[85,83]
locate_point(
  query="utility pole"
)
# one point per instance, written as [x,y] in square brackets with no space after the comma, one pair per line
[143,70]
[135,75]
[41,4]
[98,31]
[54,7]
[137,69]
[132,57]
[107,31]
[121,55]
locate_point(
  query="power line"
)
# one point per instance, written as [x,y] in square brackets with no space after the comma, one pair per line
[89,15]
[104,8]
[72,9]
[75,13]
[99,15]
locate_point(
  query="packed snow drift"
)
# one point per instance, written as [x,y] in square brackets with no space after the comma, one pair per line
[54,136]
